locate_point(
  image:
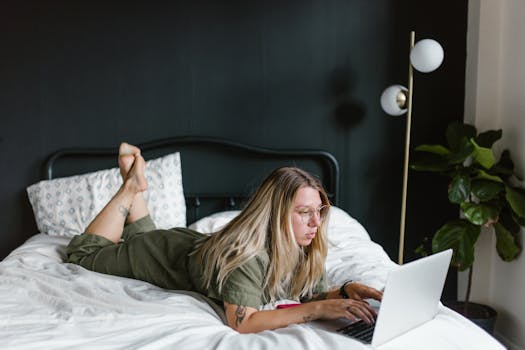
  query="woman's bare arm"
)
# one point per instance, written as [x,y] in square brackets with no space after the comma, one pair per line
[329,305]
[246,319]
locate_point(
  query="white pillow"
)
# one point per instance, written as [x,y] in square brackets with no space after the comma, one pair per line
[341,225]
[66,206]
[214,222]
[352,254]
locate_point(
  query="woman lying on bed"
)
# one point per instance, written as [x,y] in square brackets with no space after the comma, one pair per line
[274,249]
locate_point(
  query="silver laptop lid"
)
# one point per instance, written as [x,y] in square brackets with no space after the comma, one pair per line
[411,296]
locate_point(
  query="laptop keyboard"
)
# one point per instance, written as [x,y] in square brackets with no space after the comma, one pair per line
[359,330]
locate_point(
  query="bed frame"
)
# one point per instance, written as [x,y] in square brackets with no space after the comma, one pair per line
[218,174]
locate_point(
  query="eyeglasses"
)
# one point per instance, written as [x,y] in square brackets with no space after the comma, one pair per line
[308,213]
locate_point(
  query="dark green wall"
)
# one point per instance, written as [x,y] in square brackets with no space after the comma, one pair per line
[281,74]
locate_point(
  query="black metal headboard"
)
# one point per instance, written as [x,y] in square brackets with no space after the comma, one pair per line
[218,174]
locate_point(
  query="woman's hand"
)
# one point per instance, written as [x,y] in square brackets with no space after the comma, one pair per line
[332,305]
[355,306]
[351,309]
[358,291]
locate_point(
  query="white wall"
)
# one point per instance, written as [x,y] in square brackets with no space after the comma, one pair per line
[495,98]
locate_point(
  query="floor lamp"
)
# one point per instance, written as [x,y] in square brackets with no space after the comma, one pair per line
[425,56]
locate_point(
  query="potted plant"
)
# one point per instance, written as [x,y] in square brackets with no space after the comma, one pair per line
[487,194]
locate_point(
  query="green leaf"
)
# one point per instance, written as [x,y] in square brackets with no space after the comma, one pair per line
[506,244]
[486,190]
[518,219]
[505,162]
[516,200]
[505,166]
[462,152]
[507,219]
[482,174]
[488,138]
[483,156]
[480,214]
[436,149]
[460,235]
[459,190]
[425,161]
[456,132]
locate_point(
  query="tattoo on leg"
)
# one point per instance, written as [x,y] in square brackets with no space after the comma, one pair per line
[124,211]
[240,314]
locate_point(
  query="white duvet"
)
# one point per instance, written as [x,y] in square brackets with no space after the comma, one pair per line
[47,304]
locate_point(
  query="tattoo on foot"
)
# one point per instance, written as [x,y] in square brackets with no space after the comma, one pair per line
[240,314]
[123,210]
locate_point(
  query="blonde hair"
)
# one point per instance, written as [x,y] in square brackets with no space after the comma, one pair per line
[265,224]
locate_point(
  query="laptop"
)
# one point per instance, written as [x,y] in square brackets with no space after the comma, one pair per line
[410,299]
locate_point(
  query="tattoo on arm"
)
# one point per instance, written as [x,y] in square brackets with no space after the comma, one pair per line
[308,318]
[123,210]
[240,314]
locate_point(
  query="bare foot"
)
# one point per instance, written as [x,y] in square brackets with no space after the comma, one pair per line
[126,157]
[135,179]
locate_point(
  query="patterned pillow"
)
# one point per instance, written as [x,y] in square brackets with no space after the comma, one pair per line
[66,206]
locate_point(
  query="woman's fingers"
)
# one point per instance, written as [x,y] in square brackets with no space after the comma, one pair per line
[349,308]
[361,310]
[360,291]
[374,294]
[350,314]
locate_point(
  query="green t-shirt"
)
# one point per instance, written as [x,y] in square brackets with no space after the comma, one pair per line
[162,257]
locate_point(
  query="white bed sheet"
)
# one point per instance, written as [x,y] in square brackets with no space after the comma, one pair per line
[47,304]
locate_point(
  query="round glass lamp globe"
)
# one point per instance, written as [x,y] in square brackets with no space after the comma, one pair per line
[392,100]
[427,55]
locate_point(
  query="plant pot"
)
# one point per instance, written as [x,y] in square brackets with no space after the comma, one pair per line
[482,315]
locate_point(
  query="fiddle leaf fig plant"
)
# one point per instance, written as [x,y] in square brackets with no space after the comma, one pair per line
[485,189]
